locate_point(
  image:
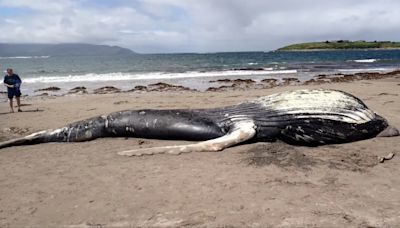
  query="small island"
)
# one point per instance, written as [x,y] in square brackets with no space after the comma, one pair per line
[341,45]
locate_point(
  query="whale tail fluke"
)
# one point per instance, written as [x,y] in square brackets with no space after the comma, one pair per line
[34,138]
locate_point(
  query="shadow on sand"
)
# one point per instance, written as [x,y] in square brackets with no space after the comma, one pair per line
[28,110]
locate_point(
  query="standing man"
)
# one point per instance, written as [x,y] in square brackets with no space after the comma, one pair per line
[13,83]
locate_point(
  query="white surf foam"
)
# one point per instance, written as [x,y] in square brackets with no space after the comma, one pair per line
[26,57]
[364,60]
[378,69]
[118,76]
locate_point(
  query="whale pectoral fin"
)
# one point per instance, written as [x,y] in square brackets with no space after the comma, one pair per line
[240,132]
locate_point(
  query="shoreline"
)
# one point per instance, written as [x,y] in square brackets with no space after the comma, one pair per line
[221,84]
[259,184]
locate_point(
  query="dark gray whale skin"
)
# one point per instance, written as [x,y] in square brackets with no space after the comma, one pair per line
[299,128]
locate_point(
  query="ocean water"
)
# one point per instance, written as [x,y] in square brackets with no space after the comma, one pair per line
[191,70]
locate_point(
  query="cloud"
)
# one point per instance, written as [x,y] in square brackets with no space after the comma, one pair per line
[40,5]
[197,26]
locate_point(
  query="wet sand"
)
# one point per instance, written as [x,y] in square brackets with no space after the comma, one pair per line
[263,184]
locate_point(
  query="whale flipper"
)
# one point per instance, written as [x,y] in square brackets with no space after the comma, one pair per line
[240,132]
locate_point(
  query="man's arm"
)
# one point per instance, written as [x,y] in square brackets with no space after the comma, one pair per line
[8,85]
[19,79]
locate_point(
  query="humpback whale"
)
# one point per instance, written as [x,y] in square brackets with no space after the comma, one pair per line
[301,117]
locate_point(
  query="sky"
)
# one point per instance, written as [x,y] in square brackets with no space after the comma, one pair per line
[175,26]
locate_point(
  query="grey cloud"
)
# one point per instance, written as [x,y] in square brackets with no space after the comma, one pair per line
[205,26]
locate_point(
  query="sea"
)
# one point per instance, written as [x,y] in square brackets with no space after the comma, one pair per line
[193,70]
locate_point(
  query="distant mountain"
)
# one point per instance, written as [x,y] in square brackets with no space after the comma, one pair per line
[341,45]
[70,49]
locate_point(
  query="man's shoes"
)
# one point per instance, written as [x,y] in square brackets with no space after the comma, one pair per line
[19,110]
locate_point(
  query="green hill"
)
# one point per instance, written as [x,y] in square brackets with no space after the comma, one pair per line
[66,49]
[340,45]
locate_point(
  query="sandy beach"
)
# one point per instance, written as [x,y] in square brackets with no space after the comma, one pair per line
[254,185]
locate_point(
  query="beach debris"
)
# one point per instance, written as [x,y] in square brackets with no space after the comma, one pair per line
[138,88]
[236,84]
[219,89]
[78,89]
[236,81]
[245,81]
[388,102]
[387,157]
[316,80]
[339,77]
[240,84]
[269,82]
[290,81]
[94,224]
[221,81]
[388,94]
[120,102]
[160,87]
[51,88]
[107,89]
[16,130]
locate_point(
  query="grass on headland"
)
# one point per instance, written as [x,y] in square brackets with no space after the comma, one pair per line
[341,44]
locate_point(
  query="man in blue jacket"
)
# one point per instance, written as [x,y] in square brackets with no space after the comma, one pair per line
[13,82]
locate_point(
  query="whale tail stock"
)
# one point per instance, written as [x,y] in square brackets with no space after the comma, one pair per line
[83,130]
[156,124]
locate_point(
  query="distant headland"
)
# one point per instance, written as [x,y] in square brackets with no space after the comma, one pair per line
[341,45]
[63,49]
